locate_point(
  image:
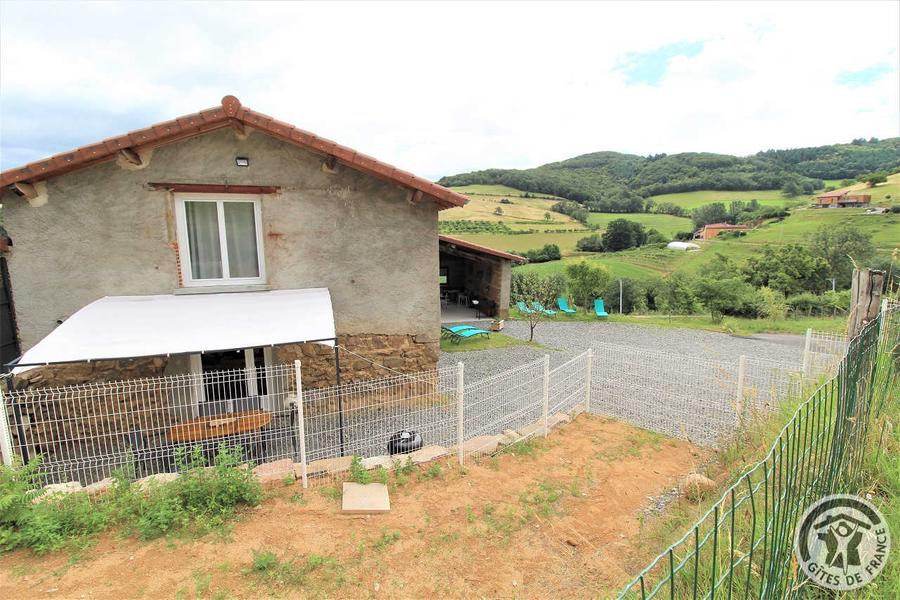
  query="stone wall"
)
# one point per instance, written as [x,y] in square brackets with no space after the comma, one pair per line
[404,353]
[87,419]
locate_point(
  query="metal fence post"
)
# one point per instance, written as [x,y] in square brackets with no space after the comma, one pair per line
[739,393]
[546,404]
[301,425]
[460,411]
[5,437]
[807,355]
[587,380]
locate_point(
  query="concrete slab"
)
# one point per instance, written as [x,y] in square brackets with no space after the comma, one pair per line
[531,429]
[373,462]
[428,453]
[486,444]
[329,465]
[274,471]
[371,498]
[558,418]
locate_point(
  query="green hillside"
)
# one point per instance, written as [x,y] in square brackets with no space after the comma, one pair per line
[616,182]
[690,200]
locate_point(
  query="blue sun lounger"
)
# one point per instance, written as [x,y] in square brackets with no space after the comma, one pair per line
[447,331]
[600,309]
[462,334]
[563,305]
[540,308]
[523,308]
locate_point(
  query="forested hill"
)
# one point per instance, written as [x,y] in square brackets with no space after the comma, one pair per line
[613,181]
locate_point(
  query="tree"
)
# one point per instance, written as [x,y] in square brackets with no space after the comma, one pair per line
[791,189]
[586,282]
[873,179]
[840,246]
[676,295]
[790,269]
[591,243]
[621,234]
[548,216]
[722,289]
[709,213]
[531,286]
[498,211]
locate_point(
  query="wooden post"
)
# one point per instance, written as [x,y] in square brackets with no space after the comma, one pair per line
[460,411]
[301,426]
[865,298]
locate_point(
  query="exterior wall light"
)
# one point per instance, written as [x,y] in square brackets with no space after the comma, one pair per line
[241,161]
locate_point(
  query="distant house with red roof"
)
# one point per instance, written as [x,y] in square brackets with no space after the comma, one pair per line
[842,199]
[710,231]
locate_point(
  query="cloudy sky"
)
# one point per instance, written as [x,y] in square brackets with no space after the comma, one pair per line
[440,88]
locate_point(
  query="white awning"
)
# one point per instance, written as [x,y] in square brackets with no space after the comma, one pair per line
[132,326]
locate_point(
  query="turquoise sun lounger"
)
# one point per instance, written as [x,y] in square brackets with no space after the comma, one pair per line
[563,305]
[540,308]
[600,309]
[523,308]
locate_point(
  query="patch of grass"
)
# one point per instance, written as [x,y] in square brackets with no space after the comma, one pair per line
[529,446]
[202,580]
[298,499]
[544,499]
[385,540]
[316,569]
[481,342]
[668,225]
[691,200]
[332,492]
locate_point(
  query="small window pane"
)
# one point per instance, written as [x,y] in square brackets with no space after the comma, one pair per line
[240,238]
[203,239]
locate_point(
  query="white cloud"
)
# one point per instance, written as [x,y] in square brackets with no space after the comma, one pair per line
[439,88]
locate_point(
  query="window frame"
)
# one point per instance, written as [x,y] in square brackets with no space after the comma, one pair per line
[184,247]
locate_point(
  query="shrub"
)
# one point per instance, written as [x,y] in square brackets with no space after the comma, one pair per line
[586,282]
[200,500]
[771,303]
[591,243]
[684,236]
[545,254]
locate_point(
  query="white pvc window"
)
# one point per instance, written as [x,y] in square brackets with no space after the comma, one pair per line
[220,239]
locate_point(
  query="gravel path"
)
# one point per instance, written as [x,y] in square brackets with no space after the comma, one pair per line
[563,340]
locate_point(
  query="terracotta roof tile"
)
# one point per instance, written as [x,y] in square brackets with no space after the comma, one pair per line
[213,118]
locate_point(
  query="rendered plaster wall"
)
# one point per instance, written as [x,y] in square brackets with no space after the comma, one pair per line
[103,231]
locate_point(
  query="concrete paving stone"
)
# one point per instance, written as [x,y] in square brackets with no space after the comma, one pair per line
[370,498]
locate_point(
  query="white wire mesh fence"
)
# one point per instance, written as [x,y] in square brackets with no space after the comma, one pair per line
[156,425]
[823,351]
[86,432]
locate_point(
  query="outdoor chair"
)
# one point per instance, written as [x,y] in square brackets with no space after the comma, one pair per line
[458,336]
[520,304]
[540,308]
[563,305]
[600,309]
[449,331]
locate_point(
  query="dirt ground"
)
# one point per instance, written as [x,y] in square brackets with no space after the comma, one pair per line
[554,520]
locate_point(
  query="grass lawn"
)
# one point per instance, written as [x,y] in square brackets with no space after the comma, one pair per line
[732,325]
[666,224]
[885,229]
[480,342]
[689,200]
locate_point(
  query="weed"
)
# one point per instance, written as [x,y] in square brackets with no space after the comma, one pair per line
[386,539]
[382,475]
[358,473]
[435,471]
[289,480]
[470,514]
[529,446]
[331,492]
[298,499]
[201,583]
[575,488]
[404,468]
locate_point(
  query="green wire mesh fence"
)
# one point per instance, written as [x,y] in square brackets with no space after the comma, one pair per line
[742,547]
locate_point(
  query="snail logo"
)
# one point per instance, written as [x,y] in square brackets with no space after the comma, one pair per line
[842,542]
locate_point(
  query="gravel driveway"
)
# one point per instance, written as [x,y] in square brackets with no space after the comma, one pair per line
[563,340]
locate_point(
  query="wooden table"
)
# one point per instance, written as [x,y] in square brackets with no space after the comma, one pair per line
[217,426]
